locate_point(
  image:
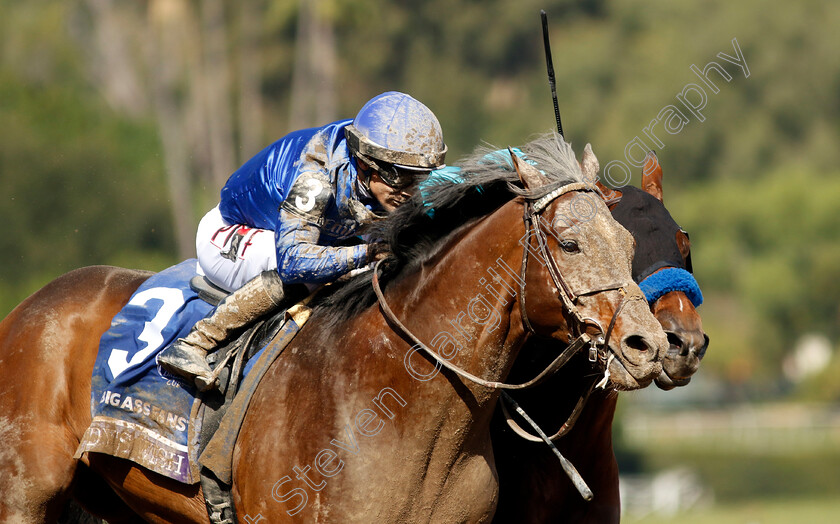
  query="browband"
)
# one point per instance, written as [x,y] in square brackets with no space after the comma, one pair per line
[543,201]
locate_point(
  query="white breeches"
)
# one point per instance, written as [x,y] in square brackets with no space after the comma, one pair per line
[232,254]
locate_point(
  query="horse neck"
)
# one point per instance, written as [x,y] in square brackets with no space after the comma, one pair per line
[463,301]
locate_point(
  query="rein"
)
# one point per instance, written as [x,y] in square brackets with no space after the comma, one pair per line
[564,429]
[567,466]
[548,371]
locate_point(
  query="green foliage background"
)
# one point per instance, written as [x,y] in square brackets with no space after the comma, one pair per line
[756,183]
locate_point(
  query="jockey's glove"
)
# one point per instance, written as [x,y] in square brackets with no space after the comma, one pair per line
[377,251]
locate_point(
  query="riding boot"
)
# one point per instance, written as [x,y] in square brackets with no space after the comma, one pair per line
[187,356]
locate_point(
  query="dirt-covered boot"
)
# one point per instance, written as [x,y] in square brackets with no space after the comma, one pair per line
[187,356]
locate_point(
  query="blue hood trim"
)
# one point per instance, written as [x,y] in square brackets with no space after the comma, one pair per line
[671,279]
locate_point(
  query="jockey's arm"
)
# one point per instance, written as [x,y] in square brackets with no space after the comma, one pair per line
[300,259]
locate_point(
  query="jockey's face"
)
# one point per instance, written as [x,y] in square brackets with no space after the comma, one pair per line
[388,197]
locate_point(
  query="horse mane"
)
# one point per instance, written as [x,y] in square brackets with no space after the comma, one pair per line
[415,233]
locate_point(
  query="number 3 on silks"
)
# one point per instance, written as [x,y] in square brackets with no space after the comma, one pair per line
[315,188]
[173,300]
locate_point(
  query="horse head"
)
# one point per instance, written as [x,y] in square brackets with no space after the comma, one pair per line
[582,279]
[663,249]
[534,487]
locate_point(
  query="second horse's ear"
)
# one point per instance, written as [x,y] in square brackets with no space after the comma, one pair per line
[652,176]
[529,175]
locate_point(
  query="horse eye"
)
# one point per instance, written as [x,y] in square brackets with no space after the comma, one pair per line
[570,246]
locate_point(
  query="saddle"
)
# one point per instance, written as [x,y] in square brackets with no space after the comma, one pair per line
[219,413]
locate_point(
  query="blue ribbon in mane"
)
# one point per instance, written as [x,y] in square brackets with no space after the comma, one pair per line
[452,174]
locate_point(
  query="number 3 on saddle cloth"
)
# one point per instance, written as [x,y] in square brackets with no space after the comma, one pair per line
[140,412]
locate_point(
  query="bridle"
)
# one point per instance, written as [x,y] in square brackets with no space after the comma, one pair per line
[598,347]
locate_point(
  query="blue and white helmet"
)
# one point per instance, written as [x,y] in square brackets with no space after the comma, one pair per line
[395,132]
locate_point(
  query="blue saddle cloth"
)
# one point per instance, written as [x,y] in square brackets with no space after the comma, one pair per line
[140,412]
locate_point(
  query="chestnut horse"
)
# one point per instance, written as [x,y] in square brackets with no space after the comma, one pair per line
[391,435]
[533,486]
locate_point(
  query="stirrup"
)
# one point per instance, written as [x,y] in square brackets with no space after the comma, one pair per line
[207,383]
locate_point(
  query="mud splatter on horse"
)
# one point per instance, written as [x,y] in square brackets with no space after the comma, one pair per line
[352,424]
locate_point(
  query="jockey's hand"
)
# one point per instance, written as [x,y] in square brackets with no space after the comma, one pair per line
[377,251]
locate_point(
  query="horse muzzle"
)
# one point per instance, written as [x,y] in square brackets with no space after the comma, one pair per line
[686,349]
[639,353]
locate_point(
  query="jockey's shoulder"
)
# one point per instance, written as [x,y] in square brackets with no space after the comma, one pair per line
[310,195]
[328,145]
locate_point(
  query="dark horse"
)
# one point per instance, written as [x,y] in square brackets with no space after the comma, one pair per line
[533,487]
[391,437]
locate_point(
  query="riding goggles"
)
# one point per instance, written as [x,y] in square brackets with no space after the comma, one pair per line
[394,176]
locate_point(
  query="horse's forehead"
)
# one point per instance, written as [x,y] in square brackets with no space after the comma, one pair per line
[607,238]
[594,223]
[608,248]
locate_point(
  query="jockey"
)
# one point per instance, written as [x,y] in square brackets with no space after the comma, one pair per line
[283,213]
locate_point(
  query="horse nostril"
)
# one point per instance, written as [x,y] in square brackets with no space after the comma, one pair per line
[636,342]
[676,343]
[702,351]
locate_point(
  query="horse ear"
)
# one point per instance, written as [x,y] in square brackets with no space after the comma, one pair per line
[589,164]
[529,175]
[652,176]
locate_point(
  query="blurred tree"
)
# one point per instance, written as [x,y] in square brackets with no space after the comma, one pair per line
[215,81]
[70,174]
[773,247]
[180,59]
[314,79]
[172,41]
[250,46]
